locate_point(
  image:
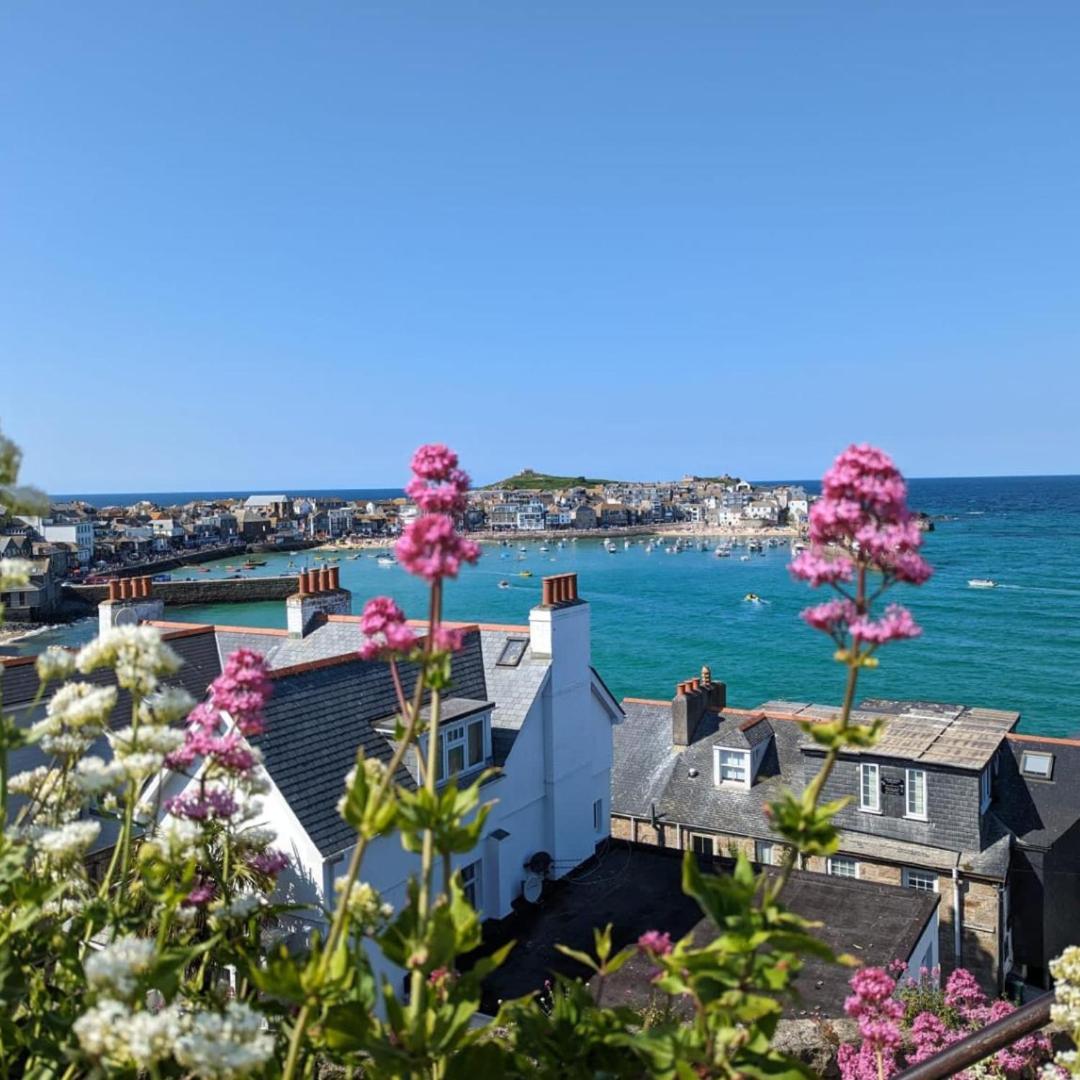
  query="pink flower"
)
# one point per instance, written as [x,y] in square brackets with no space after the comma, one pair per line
[963,991]
[895,625]
[447,497]
[831,617]
[213,803]
[434,462]
[202,894]
[388,635]
[242,690]
[269,862]
[655,943]
[818,570]
[431,549]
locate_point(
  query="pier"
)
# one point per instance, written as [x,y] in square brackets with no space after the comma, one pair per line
[210,591]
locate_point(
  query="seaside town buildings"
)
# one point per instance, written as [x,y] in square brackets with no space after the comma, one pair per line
[960,844]
[950,801]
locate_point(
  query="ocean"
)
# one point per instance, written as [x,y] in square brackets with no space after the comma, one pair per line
[656,618]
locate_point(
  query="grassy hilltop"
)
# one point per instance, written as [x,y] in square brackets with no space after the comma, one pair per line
[535,481]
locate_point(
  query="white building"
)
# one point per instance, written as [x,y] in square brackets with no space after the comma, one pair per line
[79,533]
[525,702]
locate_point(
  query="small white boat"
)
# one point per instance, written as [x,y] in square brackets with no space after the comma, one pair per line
[981,583]
[648,549]
[744,558]
[627,545]
[722,552]
[504,584]
[609,547]
[543,547]
[386,560]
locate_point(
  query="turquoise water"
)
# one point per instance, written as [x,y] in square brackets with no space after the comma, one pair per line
[657,618]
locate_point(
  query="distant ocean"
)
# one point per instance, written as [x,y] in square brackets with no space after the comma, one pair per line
[657,618]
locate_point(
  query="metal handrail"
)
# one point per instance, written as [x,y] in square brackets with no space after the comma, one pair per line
[996,1036]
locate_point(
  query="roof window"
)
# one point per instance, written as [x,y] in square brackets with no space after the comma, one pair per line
[512,652]
[1037,764]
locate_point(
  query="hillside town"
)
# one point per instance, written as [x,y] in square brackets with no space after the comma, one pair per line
[76,541]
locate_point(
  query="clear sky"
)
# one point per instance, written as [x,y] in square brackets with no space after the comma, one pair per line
[274,245]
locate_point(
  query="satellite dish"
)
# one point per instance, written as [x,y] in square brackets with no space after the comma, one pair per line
[126,617]
[533,887]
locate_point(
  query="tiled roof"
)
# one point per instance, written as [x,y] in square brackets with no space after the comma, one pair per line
[513,689]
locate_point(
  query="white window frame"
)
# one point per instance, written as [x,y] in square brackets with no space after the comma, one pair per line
[870,769]
[472,878]
[719,766]
[764,853]
[832,861]
[915,780]
[1034,773]
[456,735]
[909,873]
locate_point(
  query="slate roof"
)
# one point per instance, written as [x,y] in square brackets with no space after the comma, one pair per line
[650,775]
[744,735]
[513,689]
[1039,812]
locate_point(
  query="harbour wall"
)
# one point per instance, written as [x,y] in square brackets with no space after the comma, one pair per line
[213,591]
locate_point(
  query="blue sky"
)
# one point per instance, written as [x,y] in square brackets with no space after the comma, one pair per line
[277,245]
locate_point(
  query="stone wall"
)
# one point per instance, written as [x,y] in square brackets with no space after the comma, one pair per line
[211,591]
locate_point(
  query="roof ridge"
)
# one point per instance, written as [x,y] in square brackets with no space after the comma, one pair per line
[1055,739]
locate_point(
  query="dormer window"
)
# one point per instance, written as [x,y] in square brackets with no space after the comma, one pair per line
[732,767]
[464,740]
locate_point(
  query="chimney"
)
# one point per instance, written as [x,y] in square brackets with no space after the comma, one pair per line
[320,593]
[129,602]
[716,692]
[687,709]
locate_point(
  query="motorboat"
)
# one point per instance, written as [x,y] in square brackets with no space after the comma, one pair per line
[753,598]
[981,583]
[525,573]
[722,552]
[386,560]
[609,547]
[744,558]
[504,584]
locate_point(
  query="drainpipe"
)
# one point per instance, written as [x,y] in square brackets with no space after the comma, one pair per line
[957,924]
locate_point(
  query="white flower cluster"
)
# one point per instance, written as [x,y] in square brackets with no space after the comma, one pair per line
[366,908]
[254,838]
[115,970]
[178,839]
[94,776]
[75,716]
[52,797]
[136,654]
[68,842]
[112,1033]
[166,706]
[1066,1008]
[14,573]
[141,751]
[55,663]
[224,1047]
[241,908]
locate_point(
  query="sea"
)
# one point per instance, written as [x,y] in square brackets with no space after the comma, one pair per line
[657,618]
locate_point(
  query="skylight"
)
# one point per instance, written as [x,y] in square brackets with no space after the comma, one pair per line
[1039,765]
[512,652]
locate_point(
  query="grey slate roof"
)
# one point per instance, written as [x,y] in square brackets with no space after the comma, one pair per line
[650,775]
[745,735]
[326,640]
[1039,812]
[513,689]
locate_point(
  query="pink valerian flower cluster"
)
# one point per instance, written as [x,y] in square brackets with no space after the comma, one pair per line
[879,1015]
[430,547]
[203,892]
[209,805]
[874,1004]
[269,862]
[655,943]
[863,510]
[388,634]
[242,690]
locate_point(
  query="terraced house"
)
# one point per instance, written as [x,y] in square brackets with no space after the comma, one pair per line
[949,800]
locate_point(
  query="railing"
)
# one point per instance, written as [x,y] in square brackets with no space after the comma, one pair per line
[992,1038]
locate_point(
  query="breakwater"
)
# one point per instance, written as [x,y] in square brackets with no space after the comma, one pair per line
[207,591]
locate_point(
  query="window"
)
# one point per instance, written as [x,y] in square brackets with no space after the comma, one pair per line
[842,866]
[598,815]
[916,794]
[764,852]
[462,747]
[702,845]
[1039,765]
[869,789]
[471,878]
[512,652]
[923,880]
[734,766]
[984,788]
